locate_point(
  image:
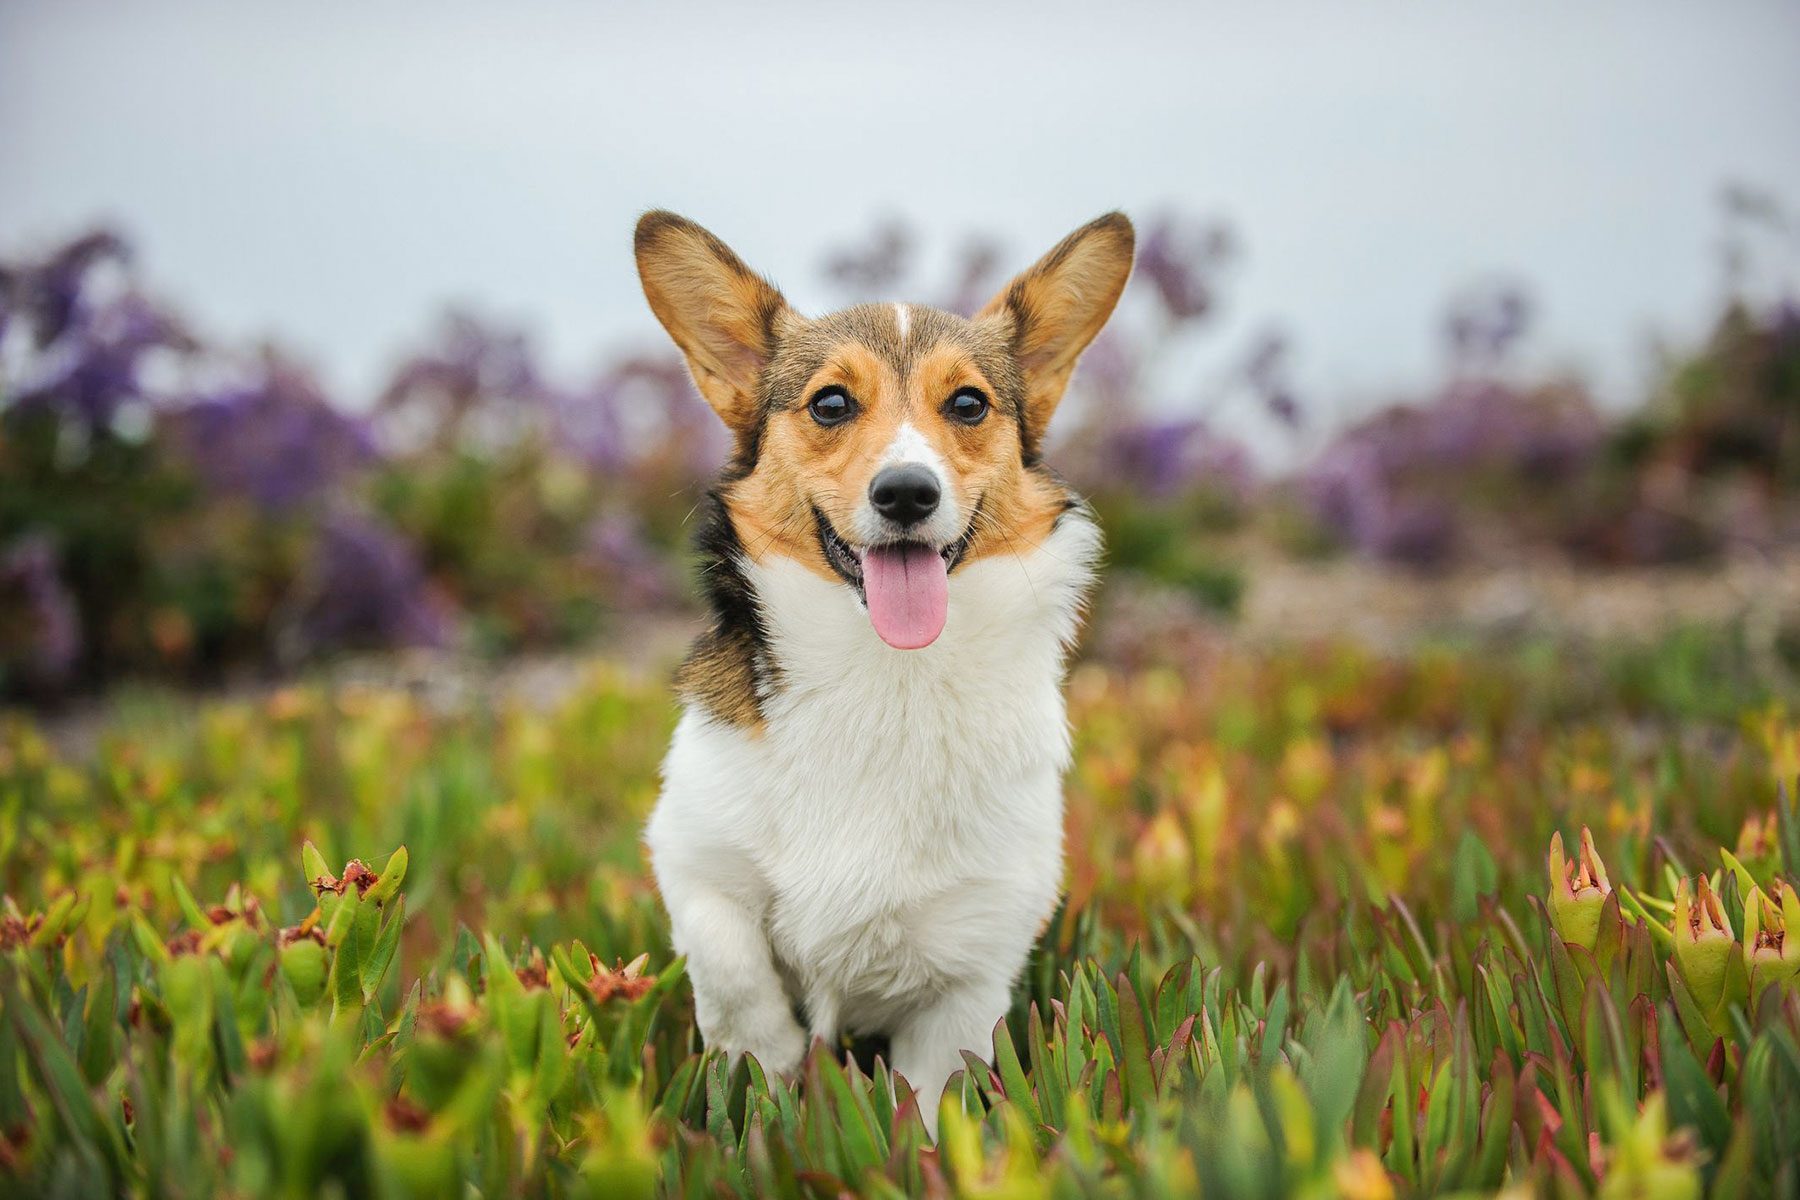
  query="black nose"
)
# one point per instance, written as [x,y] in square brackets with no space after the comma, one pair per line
[905,494]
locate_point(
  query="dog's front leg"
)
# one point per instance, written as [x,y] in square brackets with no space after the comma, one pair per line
[928,1046]
[739,1000]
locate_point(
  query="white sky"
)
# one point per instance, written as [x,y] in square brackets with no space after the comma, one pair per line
[332,174]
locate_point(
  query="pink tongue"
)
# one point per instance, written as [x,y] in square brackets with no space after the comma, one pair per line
[908,591]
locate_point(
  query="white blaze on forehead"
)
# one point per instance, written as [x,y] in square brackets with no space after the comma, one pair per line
[901,319]
[910,446]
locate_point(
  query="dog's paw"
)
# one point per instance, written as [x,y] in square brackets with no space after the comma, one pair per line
[772,1035]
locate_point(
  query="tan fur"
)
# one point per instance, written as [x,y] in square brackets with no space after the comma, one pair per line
[1059,305]
[719,675]
[724,317]
[802,465]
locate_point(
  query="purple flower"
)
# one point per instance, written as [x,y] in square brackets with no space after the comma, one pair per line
[53,295]
[9,282]
[1180,260]
[972,279]
[1352,496]
[590,424]
[1108,372]
[643,410]
[1347,490]
[1284,408]
[877,266]
[1484,325]
[42,635]
[92,368]
[1267,358]
[1395,486]
[369,588]
[474,358]
[479,386]
[635,572]
[1415,530]
[1266,373]
[1163,457]
[88,332]
[1786,321]
[277,440]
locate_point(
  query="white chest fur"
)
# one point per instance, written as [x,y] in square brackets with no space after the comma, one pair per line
[895,829]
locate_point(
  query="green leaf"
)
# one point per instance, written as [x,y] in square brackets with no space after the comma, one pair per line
[1377,1086]
[861,1139]
[1134,1052]
[1473,875]
[1693,1101]
[387,886]
[382,955]
[313,863]
[1333,1074]
[1496,1125]
[190,911]
[356,924]
[1012,1076]
[91,1135]
[100,1029]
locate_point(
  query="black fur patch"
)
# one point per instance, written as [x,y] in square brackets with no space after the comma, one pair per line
[728,669]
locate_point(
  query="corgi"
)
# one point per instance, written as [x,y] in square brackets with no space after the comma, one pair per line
[860,828]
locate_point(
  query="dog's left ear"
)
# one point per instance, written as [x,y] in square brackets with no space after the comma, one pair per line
[1057,307]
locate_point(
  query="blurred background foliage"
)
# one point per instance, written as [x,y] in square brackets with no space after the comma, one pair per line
[178,509]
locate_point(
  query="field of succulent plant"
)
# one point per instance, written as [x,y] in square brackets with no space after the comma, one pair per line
[1337,924]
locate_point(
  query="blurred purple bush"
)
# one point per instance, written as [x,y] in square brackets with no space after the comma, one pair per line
[1490,470]
[175,508]
[1405,485]
[275,440]
[172,508]
[368,586]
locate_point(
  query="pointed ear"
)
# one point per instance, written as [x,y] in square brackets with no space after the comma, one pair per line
[724,316]
[1058,306]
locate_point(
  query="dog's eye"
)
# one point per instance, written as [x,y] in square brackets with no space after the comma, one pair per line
[968,406]
[830,406]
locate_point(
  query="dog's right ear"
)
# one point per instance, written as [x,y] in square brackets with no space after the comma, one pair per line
[723,315]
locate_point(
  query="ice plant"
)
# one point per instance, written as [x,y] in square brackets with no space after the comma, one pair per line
[1648,1162]
[1704,942]
[1769,954]
[173,1006]
[1578,891]
[1759,844]
[1163,859]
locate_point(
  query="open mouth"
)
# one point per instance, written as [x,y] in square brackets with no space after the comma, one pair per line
[903,584]
[847,560]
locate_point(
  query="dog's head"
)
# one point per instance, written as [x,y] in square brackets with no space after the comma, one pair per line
[886,445]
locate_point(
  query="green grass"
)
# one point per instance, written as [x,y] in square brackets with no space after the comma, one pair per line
[1311,948]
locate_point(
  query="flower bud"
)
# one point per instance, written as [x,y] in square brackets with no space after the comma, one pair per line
[1578,891]
[1162,861]
[1769,954]
[1759,844]
[1645,1161]
[1703,942]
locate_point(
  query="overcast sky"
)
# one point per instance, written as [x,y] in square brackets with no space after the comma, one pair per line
[332,174]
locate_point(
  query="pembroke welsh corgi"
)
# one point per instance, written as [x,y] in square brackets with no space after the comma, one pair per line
[860,826]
